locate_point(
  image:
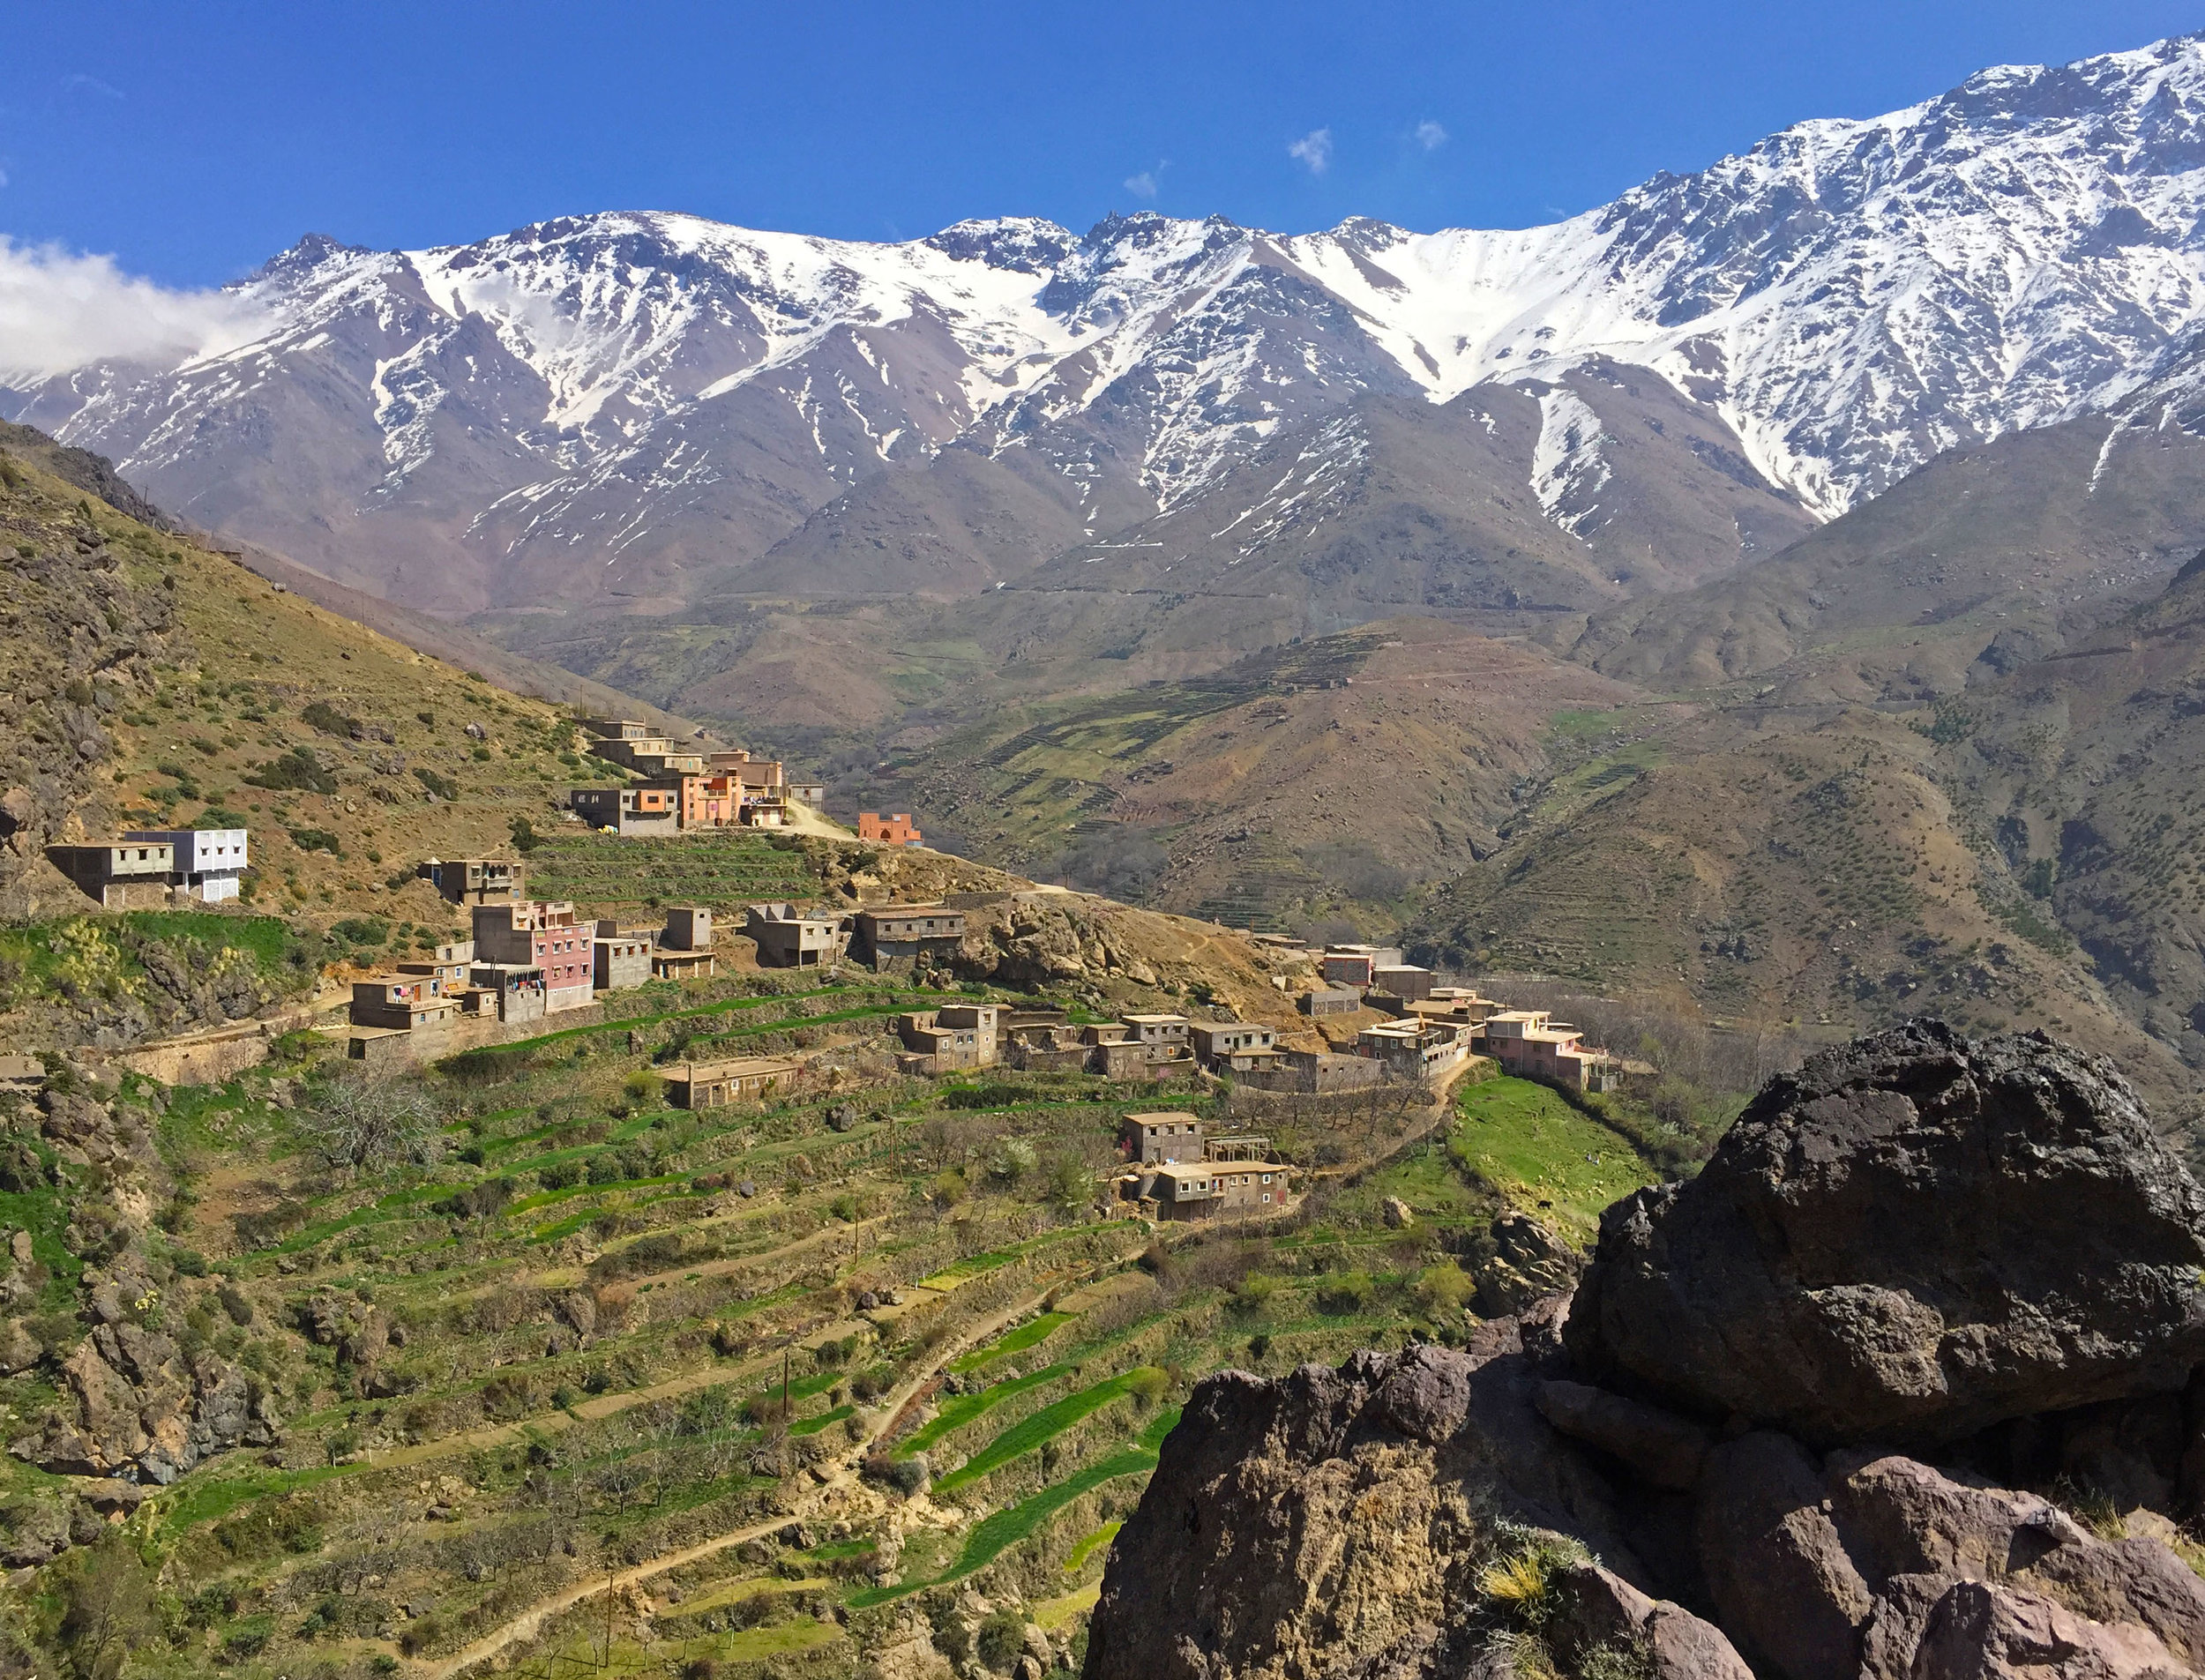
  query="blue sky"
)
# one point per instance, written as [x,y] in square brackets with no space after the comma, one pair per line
[193,140]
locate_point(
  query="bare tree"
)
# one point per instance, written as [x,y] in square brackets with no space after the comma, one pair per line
[366,1122]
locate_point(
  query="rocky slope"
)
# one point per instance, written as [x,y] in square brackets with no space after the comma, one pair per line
[1611,1482]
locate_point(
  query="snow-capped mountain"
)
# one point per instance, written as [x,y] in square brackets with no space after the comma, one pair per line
[648,404]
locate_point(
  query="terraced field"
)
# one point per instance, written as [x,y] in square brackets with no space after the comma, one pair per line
[578,1378]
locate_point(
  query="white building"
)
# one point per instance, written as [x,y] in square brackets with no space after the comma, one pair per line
[208,861]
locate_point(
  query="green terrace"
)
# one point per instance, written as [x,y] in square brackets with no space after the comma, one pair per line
[721,869]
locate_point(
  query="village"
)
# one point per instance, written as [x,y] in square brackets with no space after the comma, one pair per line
[528,960]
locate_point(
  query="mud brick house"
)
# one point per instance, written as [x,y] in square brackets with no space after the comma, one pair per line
[789,937]
[475,880]
[1156,1140]
[896,830]
[448,963]
[954,1036]
[1316,1073]
[1046,1050]
[637,746]
[209,862]
[1404,980]
[119,875]
[892,934]
[713,1085]
[1530,1044]
[542,935]
[1214,1189]
[402,1003]
[1357,966]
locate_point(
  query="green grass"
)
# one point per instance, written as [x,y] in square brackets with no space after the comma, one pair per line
[974,1265]
[963,1409]
[813,1425]
[996,1534]
[1544,1155]
[1030,1433]
[1018,1341]
[1091,1542]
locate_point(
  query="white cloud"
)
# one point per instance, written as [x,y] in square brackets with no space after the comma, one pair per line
[1430,135]
[1314,148]
[1142,185]
[60,309]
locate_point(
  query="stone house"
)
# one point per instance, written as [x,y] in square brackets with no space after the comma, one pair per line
[953,1037]
[475,880]
[1330,1001]
[788,938]
[713,1085]
[891,934]
[1046,1050]
[209,862]
[119,875]
[1316,1073]
[543,935]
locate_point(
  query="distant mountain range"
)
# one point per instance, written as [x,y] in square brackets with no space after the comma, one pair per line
[644,410]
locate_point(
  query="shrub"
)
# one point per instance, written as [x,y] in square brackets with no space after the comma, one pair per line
[1148,1385]
[440,785]
[326,719]
[235,1304]
[297,770]
[1345,1292]
[363,929]
[316,839]
[1444,1287]
[560,1174]
[1001,1640]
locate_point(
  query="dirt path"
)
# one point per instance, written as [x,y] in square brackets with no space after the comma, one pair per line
[531,1621]
[563,1277]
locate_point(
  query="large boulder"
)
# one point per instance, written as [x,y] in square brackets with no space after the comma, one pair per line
[1334,1524]
[1915,1236]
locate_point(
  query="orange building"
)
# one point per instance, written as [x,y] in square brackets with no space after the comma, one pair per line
[897,829]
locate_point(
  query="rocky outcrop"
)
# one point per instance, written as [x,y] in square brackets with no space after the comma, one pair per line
[1913,1237]
[1529,1263]
[1598,1501]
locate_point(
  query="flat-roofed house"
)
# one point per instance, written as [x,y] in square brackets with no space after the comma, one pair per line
[118,875]
[1165,1038]
[542,934]
[1331,1000]
[473,880]
[1404,980]
[713,1085]
[1530,1044]
[789,937]
[209,862]
[1415,1048]
[1155,1139]
[688,928]
[1217,1190]
[645,809]
[890,934]
[619,960]
[1234,1046]
[511,991]
[896,829]
[954,1036]
[449,962]
[402,1003]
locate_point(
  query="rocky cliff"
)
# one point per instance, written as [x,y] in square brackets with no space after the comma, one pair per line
[1907,1382]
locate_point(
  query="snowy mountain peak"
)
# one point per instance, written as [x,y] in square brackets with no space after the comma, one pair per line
[1848,297]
